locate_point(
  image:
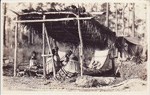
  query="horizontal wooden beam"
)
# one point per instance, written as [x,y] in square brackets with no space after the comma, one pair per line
[52,20]
[45,13]
[96,13]
[46,55]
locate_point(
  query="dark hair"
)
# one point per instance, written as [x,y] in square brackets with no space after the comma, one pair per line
[73,57]
[68,53]
[56,48]
[53,51]
[33,52]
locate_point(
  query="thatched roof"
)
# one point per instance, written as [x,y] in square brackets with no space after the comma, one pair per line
[93,33]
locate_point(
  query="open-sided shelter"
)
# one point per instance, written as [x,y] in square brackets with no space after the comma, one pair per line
[67,27]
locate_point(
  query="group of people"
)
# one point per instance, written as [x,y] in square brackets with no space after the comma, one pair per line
[65,67]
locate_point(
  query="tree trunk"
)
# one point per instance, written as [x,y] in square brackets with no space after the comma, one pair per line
[123,11]
[107,15]
[4,25]
[32,36]
[133,20]
[116,23]
[129,19]
[16,48]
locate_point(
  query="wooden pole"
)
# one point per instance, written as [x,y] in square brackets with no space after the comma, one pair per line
[50,50]
[68,13]
[43,34]
[81,46]
[47,55]
[53,20]
[15,51]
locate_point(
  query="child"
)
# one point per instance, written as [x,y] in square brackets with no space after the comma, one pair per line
[33,61]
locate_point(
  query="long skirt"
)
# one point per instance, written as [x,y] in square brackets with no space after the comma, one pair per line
[62,75]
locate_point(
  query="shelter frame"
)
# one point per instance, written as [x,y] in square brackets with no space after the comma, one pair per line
[44,32]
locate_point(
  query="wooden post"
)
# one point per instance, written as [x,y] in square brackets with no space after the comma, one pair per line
[81,46]
[15,51]
[50,50]
[43,34]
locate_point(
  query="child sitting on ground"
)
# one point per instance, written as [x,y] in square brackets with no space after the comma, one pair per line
[33,61]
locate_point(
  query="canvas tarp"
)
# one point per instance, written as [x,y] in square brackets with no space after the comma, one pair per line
[133,40]
[99,59]
[134,46]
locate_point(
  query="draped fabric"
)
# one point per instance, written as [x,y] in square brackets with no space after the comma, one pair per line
[99,59]
[72,66]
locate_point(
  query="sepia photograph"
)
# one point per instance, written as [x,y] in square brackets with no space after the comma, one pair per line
[74,46]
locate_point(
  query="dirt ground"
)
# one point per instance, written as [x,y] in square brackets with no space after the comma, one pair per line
[133,78]
[33,84]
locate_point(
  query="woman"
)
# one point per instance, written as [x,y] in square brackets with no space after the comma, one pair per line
[72,65]
[71,69]
[67,56]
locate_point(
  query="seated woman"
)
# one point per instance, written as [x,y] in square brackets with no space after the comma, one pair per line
[67,56]
[72,65]
[71,69]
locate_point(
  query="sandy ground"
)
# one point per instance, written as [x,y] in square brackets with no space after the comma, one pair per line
[34,84]
[132,79]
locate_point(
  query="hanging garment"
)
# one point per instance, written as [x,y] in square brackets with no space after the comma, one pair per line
[99,59]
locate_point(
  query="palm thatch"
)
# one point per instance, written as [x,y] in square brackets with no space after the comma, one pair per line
[94,34]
